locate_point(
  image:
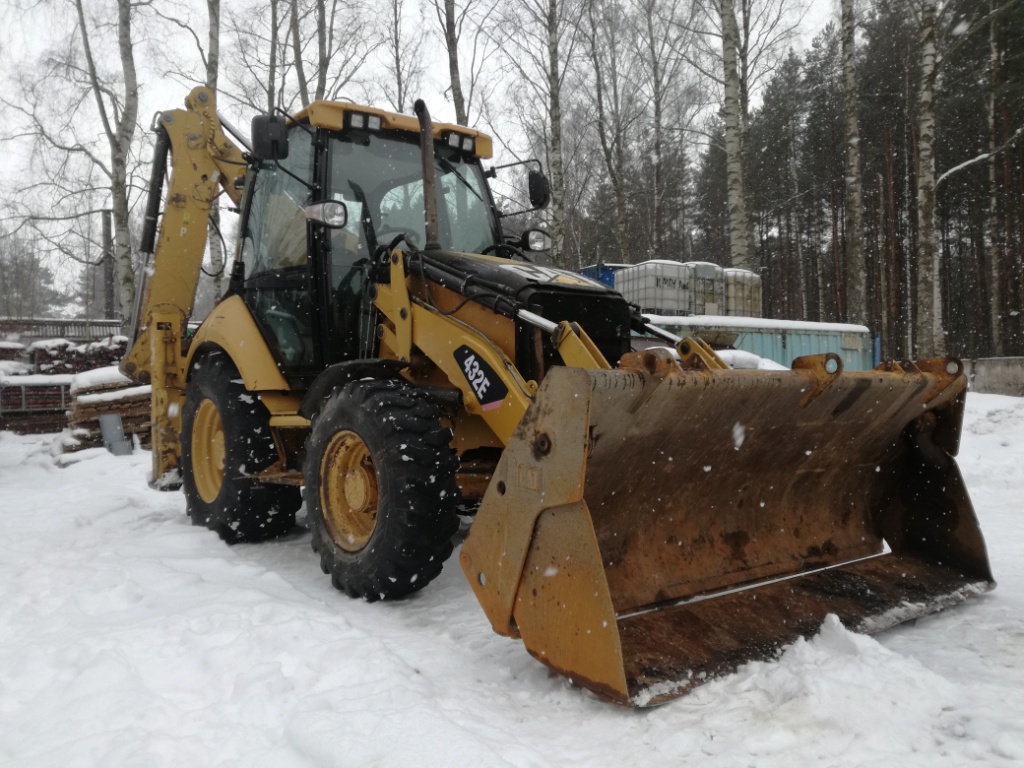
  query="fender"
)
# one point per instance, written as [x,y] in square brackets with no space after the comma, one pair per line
[339,374]
[231,327]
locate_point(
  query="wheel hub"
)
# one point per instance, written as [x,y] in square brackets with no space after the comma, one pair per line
[349,493]
[208,451]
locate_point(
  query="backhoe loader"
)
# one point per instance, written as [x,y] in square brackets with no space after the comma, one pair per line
[645,521]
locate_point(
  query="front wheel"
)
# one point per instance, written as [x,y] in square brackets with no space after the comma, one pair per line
[380,489]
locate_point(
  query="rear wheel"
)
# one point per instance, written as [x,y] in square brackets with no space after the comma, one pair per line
[225,438]
[380,489]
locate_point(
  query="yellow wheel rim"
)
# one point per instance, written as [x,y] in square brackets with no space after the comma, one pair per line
[208,451]
[349,494]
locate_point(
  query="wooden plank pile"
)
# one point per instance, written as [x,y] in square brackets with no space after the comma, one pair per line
[106,390]
[11,350]
[33,404]
[62,356]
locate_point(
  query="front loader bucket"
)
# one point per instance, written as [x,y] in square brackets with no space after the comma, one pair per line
[648,530]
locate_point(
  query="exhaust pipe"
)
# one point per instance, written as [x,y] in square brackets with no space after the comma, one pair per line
[429,178]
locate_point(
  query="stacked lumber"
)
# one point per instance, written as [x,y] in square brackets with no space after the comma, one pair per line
[11,350]
[51,356]
[106,390]
[62,356]
[99,354]
[31,403]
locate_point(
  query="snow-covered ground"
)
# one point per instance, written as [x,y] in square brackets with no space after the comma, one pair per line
[130,638]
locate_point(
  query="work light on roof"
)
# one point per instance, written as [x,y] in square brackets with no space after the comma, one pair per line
[458,141]
[360,121]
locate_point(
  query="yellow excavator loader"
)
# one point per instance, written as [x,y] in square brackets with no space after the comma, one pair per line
[644,520]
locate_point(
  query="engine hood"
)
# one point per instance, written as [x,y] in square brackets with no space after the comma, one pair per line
[517,275]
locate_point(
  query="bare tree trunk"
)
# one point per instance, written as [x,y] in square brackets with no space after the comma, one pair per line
[275,22]
[657,107]
[217,260]
[119,127]
[323,58]
[609,127]
[451,41]
[928,327]
[882,304]
[856,271]
[995,230]
[404,65]
[395,44]
[739,224]
[928,337]
[555,117]
[300,71]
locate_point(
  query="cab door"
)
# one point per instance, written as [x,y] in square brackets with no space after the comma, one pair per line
[276,249]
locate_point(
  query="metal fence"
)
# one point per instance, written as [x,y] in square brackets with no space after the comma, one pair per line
[73,330]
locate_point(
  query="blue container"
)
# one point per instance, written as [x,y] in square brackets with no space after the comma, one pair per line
[780,340]
[603,273]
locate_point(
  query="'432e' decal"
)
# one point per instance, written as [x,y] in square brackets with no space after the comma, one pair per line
[483,380]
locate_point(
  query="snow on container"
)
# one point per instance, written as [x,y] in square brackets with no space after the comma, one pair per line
[742,293]
[658,286]
[708,288]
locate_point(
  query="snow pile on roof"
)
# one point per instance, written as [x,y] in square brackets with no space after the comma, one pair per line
[50,344]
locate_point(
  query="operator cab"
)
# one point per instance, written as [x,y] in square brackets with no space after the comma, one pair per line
[305,278]
[306,274]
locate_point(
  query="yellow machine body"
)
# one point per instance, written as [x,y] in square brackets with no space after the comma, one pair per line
[653,521]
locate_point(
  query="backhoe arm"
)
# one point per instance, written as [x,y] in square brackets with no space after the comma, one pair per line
[202,161]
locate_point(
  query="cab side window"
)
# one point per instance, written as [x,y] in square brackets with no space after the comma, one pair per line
[276,253]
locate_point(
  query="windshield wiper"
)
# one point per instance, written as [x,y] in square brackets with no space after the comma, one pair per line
[446,165]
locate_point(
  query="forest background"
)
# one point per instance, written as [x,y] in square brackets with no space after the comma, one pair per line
[874,175]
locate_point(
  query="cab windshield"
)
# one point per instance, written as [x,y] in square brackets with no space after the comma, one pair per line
[379,177]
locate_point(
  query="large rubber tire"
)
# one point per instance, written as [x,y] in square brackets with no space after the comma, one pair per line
[380,489]
[225,437]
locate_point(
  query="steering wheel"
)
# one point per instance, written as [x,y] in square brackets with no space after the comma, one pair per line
[410,235]
[512,251]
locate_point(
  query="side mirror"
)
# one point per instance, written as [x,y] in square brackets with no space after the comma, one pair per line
[332,214]
[535,240]
[269,137]
[540,190]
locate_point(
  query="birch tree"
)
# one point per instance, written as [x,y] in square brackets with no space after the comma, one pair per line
[928,339]
[288,53]
[463,29]
[61,100]
[739,222]
[538,39]
[614,101]
[255,77]
[856,268]
[218,260]
[665,34]
[402,57]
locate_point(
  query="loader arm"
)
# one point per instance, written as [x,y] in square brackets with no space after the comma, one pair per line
[201,161]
